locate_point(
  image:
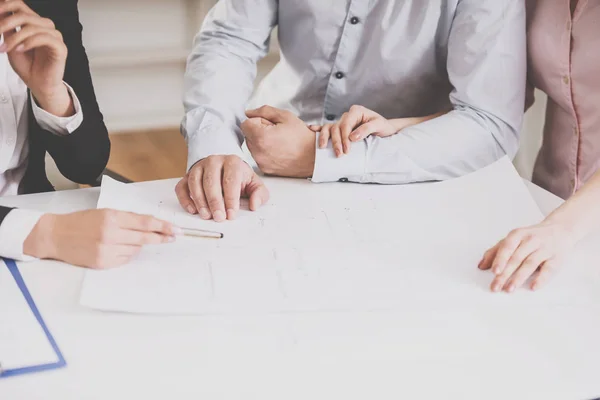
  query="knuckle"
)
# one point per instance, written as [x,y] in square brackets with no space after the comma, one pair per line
[264,108]
[228,180]
[108,219]
[232,162]
[245,126]
[209,179]
[49,23]
[214,204]
[107,235]
[148,223]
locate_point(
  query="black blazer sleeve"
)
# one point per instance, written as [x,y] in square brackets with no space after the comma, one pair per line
[4,212]
[82,155]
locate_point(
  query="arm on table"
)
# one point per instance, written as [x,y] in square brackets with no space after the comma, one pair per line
[220,75]
[538,251]
[487,68]
[219,80]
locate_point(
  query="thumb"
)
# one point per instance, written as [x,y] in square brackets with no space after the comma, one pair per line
[271,114]
[363,131]
[254,126]
[257,193]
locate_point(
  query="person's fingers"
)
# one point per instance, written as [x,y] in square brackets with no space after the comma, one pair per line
[195,183]
[336,140]
[9,24]
[182,191]
[272,114]
[138,238]
[213,190]
[324,136]
[507,247]
[142,223]
[30,37]
[544,274]
[488,258]
[48,40]
[525,271]
[257,193]
[364,131]
[110,256]
[315,128]
[253,127]
[525,249]
[14,7]
[346,125]
[232,188]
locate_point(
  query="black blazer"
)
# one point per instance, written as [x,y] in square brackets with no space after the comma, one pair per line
[82,155]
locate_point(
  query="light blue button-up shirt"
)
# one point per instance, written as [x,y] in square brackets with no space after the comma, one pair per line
[400,58]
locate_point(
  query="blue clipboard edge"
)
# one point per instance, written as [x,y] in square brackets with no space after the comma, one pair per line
[14,270]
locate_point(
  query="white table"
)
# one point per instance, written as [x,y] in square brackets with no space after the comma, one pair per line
[118,356]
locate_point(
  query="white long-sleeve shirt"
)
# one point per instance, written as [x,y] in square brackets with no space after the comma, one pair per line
[399,58]
[14,148]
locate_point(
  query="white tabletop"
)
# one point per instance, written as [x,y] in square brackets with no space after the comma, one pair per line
[118,356]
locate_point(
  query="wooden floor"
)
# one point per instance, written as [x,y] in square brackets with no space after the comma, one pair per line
[148,155]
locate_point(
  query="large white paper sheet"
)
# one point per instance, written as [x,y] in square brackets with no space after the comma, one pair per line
[337,247]
[23,343]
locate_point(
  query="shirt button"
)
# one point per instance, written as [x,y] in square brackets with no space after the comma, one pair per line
[566,80]
[3,99]
[344,180]
[330,117]
[339,75]
[10,141]
[354,20]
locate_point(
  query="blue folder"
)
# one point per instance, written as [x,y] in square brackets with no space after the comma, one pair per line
[14,270]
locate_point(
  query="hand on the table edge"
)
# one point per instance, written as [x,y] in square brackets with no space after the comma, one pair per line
[213,187]
[531,254]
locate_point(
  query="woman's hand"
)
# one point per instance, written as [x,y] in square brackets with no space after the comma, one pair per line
[96,239]
[536,252]
[360,123]
[355,125]
[38,54]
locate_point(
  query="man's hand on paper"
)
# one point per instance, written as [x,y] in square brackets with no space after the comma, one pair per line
[280,142]
[96,239]
[213,188]
[534,253]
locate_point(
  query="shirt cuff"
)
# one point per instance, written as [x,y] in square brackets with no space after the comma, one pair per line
[211,140]
[14,230]
[60,126]
[349,167]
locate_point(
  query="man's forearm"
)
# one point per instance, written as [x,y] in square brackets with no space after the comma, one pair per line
[220,73]
[439,149]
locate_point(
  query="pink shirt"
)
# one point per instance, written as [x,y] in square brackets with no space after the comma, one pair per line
[564,62]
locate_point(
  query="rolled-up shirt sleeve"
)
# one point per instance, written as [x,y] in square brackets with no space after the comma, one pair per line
[14,230]
[220,73]
[487,68]
[60,126]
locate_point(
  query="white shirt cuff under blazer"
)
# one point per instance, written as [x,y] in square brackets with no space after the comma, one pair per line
[18,224]
[60,126]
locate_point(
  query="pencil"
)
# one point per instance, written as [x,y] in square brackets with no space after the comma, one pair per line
[200,233]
